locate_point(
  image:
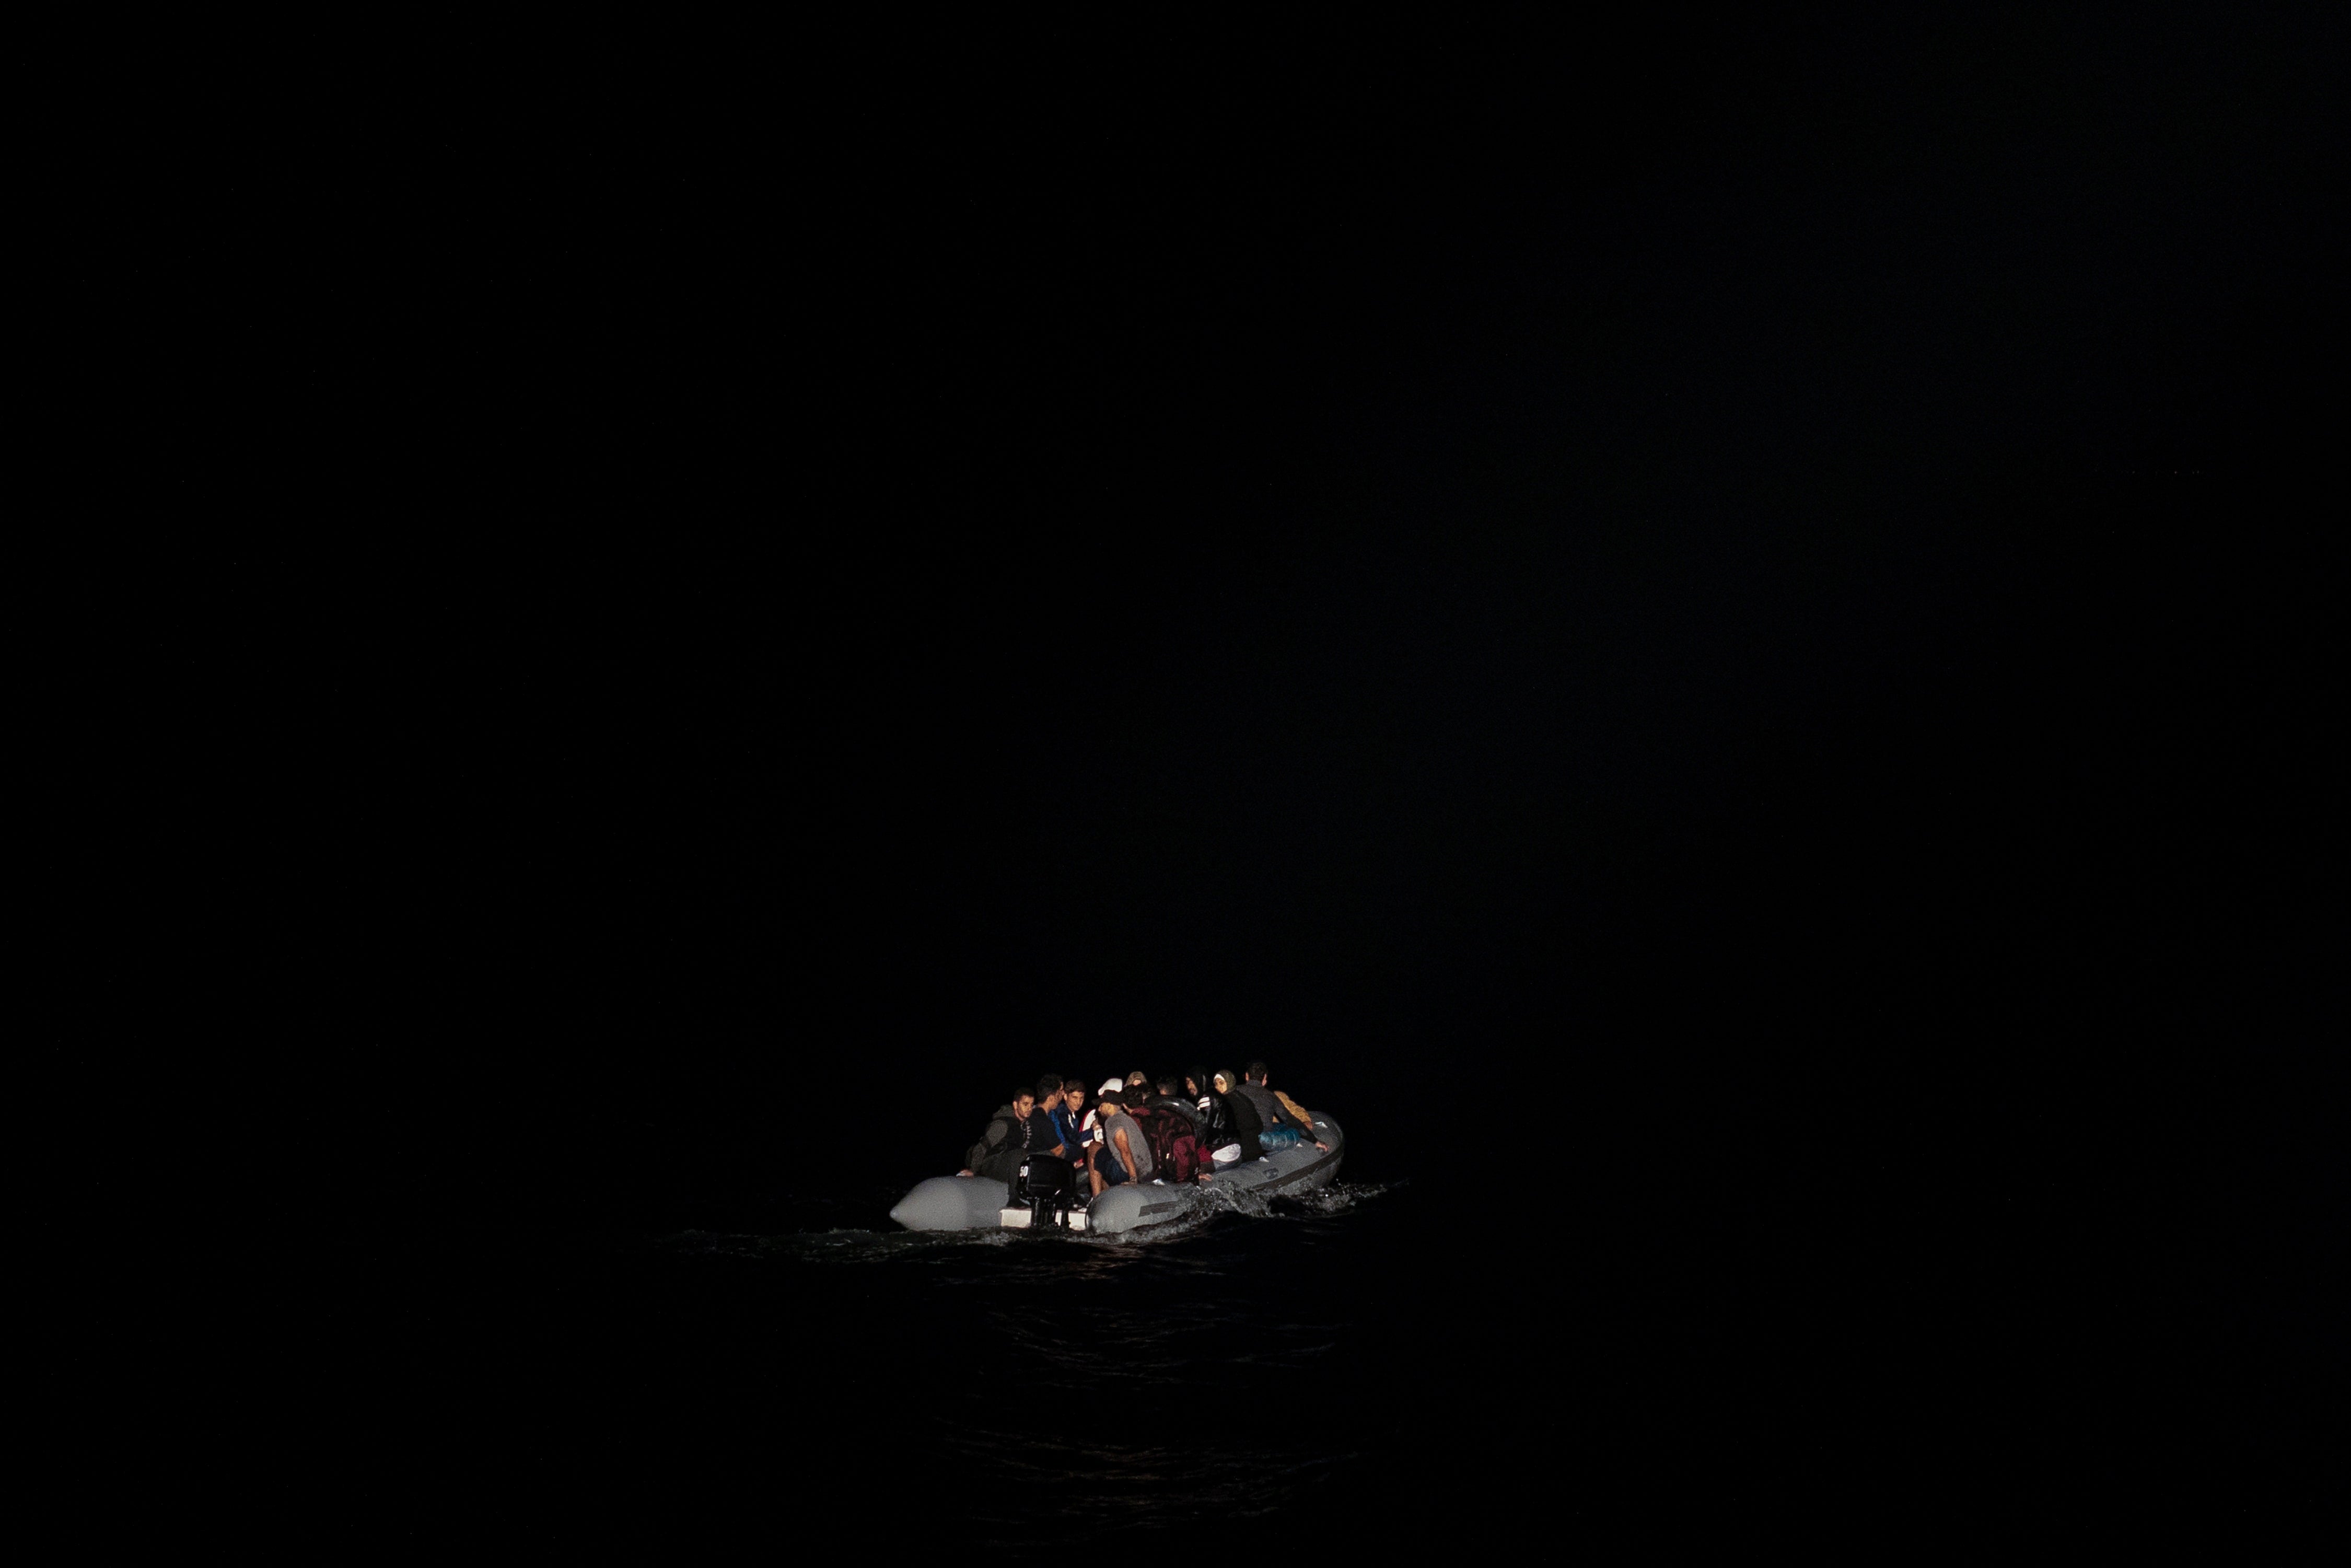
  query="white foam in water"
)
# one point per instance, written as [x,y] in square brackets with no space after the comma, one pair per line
[1210,1202]
[1313,1203]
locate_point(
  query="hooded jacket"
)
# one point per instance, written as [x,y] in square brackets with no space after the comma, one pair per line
[1247,1124]
[1007,1138]
[1222,1119]
[1216,1128]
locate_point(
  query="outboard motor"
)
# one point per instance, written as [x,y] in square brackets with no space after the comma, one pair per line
[1045,1186]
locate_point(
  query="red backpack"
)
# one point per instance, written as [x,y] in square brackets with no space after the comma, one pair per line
[1175,1153]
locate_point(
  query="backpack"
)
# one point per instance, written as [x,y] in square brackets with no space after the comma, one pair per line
[1185,1157]
[1175,1153]
[998,1137]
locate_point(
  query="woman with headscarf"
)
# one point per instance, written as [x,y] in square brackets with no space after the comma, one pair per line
[1241,1115]
[1210,1110]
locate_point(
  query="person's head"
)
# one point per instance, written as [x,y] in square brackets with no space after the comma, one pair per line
[1167,1086]
[1023,1102]
[1224,1080]
[1256,1071]
[1138,1081]
[1073,1095]
[1113,1100]
[1048,1090]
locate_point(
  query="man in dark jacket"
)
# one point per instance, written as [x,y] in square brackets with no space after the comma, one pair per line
[1168,1100]
[1271,1111]
[1014,1130]
[1049,1100]
[1068,1120]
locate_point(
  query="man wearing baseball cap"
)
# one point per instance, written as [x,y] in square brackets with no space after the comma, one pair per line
[1125,1154]
[1093,1120]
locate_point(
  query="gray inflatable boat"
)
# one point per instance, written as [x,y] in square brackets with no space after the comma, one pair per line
[979,1202]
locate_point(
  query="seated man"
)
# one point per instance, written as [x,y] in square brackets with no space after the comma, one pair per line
[1094,1121]
[1125,1154]
[1167,1099]
[1009,1133]
[1284,1124]
[1070,1123]
[1048,1103]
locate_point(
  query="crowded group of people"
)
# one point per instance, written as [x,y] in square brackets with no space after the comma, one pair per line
[1140,1128]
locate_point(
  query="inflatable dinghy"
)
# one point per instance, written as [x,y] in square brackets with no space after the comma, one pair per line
[979,1202]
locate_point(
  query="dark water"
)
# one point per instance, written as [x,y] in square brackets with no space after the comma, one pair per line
[1234,1366]
[959,1388]
[1644,1348]
[1682,1329]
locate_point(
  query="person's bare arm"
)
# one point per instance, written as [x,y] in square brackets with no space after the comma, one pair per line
[1118,1139]
[1305,1120]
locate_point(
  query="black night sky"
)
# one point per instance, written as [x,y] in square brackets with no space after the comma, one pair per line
[1736,621]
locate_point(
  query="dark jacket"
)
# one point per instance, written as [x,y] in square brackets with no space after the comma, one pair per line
[1218,1124]
[1041,1135]
[1208,1111]
[1003,1132]
[998,1153]
[1246,1123]
[1270,1111]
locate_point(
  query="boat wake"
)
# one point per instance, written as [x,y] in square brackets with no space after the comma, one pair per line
[1206,1207]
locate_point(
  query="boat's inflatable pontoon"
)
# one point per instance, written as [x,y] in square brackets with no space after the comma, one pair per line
[979,1202]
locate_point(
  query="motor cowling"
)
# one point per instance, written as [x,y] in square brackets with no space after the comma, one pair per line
[1044,1185]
